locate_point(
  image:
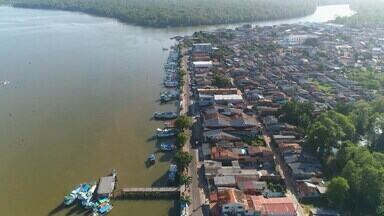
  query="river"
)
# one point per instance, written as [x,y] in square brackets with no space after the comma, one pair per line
[82,92]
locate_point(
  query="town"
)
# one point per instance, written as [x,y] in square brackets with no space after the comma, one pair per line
[251,161]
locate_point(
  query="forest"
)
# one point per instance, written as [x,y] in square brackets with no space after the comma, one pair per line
[369,13]
[349,140]
[164,13]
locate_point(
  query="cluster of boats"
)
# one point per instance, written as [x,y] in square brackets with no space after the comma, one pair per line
[171,67]
[4,83]
[171,80]
[84,193]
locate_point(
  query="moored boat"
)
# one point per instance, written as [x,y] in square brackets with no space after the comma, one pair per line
[170,83]
[70,198]
[171,177]
[151,159]
[103,209]
[167,132]
[165,115]
[167,147]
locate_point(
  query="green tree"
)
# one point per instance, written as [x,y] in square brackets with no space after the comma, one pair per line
[323,135]
[299,114]
[361,116]
[185,180]
[182,160]
[337,192]
[182,138]
[183,122]
[221,81]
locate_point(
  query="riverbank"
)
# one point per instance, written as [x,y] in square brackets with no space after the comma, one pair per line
[166,13]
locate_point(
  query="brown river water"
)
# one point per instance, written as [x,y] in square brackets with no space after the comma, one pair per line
[81,96]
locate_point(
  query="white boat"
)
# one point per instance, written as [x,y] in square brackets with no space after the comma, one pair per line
[4,83]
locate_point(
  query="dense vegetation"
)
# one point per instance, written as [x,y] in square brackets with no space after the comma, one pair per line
[348,140]
[162,13]
[369,13]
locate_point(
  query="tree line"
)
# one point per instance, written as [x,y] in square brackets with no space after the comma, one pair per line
[162,13]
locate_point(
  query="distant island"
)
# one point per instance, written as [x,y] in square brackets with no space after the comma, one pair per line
[173,13]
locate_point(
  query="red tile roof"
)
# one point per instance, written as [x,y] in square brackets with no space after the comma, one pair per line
[273,206]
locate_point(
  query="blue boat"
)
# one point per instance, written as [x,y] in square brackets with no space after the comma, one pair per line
[70,198]
[104,208]
[167,147]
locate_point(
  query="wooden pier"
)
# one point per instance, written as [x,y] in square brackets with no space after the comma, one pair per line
[148,193]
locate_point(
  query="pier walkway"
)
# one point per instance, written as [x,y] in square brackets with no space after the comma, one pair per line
[147,193]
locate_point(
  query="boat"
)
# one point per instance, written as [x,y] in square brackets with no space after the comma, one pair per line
[171,177]
[165,49]
[165,115]
[70,198]
[167,132]
[85,197]
[170,84]
[151,159]
[4,83]
[104,208]
[167,147]
[168,96]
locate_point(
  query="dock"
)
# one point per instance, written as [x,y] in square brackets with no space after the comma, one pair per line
[148,193]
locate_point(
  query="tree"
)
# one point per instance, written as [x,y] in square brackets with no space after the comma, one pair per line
[221,81]
[337,192]
[183,122]
[182,160]
[323,135]
[182,138]
[299,114]
[361,116]
[186,199]
[185,180]
[344,123]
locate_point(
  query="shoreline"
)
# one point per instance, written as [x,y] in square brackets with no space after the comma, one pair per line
[126,20]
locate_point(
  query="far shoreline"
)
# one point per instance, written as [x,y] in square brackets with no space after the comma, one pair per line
[125,21]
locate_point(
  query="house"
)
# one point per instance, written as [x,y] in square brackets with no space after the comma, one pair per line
[252,187]
[228,99]
[224,181]
[219,135]
[281,206]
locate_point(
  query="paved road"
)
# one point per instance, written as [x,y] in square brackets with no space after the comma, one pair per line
[195,190]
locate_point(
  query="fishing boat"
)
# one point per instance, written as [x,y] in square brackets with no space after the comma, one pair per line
[165,115]
[104,208]
[170,84]
[168,96]
[165,49]
[167,147]
[151,159]
[70,198]
[167,132]
[85,197]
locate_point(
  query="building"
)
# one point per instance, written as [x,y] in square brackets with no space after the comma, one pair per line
[202,48]
[202,64]
[281,206]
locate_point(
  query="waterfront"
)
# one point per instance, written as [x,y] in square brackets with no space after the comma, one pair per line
[81,96]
